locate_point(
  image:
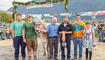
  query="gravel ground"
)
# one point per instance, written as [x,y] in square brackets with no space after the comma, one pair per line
[7,51]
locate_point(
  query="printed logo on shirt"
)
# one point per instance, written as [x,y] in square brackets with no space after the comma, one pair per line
[77,27]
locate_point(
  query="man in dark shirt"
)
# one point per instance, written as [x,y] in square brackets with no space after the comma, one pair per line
[101,31]
[65,40]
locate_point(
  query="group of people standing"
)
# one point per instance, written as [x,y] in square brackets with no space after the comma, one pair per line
[101,28]
[24,33]
[5,32]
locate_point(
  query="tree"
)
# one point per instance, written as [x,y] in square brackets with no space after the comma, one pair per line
[5,17]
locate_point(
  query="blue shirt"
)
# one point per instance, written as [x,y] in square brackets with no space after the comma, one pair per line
[52,30]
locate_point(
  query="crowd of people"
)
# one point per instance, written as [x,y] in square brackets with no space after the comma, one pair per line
[83,35]
[5,32]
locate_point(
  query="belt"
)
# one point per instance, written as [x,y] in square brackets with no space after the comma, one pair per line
[54,37]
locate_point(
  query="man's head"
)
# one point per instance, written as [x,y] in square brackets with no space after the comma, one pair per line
[65,20]
[88,24]
[100,22]
[29,18]
[78,17]
[19,17]
[54,20]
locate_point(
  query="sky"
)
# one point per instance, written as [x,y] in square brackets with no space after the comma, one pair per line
[6,4]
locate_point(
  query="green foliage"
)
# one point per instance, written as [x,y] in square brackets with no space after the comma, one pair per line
[46,21]
[15,3]
[5,17]
[24,19]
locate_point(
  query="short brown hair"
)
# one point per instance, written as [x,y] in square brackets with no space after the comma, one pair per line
[19,14]
[65,16]
[77,14]
[88,23]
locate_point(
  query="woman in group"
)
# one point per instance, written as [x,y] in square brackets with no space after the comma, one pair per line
[88,40]
[30,37]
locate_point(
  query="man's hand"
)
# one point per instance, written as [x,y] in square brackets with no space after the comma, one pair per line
[24,40]
[58,39]
[12,36]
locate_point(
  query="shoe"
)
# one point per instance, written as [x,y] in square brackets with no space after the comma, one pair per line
[68,58]
[49,57]
[80,58]
[29,58]
[90,59]
[35,58]
[55,58]
[16,59]
[86,59]
[74,58]
[23,58]
[63,59]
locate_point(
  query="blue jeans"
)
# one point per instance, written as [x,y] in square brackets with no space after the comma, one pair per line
[101,34]
[77,41]
[17,41]
[68,49]
[8,35]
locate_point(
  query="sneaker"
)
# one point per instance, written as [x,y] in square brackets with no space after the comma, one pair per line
[29,58]
[23,58]
[16,59]
[49,57]
[80,58]
[75,58]
[86,58]
[63,59]
[55,58]
[68,58]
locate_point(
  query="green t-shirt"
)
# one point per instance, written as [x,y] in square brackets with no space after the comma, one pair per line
[17,26]
[29,30]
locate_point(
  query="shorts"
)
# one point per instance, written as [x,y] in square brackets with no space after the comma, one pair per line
[31,44]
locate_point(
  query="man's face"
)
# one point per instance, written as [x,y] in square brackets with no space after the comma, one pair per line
[30,18]
[65,20]
[88,25]
[19,17]
[77,17]
[54,21]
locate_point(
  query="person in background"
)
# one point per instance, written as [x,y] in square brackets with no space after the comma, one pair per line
[65,29]
[2,35]
[88,40]
[101,31]
[30,37]
[78,27]
[93,25]
[7,32]
[17,37]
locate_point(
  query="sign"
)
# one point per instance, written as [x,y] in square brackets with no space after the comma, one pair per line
[39,6]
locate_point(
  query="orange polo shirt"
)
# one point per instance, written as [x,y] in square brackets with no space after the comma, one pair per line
[78,29]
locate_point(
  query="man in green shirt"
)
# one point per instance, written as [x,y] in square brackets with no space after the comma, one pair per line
[30,36]
[17,37]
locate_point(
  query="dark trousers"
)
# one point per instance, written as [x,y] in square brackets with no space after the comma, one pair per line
[8,35]
[18,41]
[101,35]
[88,53]
[68,49]
[53,45]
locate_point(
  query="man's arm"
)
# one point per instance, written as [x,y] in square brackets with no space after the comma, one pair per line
[93,37]
[23,35]
[13,33]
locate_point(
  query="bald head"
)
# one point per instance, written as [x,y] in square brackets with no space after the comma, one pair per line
[54,20]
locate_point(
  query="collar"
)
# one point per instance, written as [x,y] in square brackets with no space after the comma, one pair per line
[77,22]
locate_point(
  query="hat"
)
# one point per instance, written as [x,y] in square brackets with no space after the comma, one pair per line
[29,16]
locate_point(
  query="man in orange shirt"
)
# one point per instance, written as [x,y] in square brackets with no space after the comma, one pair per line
[78,27]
